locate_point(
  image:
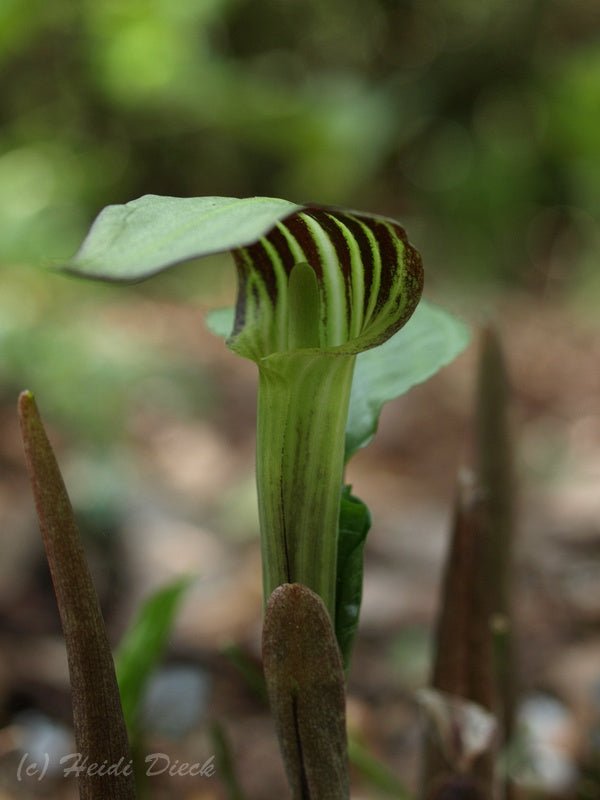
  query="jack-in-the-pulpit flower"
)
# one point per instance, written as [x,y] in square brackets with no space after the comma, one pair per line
[321,286]
[317,286]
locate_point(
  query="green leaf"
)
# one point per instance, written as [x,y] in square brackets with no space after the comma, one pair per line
[220,321]
[144,643]
[375,772]
[136,240]
[225,761]
[430,340]
[250,670]
[355,522]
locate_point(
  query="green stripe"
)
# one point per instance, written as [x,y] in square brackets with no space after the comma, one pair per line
[376,272]
[358,279]
[334,307]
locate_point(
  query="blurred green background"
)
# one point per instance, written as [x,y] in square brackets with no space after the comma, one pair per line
[477,124]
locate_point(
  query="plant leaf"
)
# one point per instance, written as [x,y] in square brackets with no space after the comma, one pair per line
[430,340]
[250,670]
[138,239]
[144,643]
[355,522]
[376,773]
[220,321]
[225,761]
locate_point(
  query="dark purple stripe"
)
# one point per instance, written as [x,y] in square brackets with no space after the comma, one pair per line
[262,264]
[281,244]
[299,230]
[240,305]
[413,278]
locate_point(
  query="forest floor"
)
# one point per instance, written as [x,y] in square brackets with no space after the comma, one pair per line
[176,496]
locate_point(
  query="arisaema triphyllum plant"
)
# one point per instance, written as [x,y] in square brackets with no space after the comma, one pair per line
[329,308]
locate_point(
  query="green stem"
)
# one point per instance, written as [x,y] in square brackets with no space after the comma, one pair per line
[302,411]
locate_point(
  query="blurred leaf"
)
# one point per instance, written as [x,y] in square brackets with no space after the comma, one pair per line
[225,762]
[574,108]
[428,341]
[220,321]
[18,22]
[144,643]
[250,671]
[376,773]
[355,521]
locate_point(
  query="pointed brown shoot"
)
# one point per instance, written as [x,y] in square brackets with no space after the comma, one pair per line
[463,651]
[463,657]
[305,682]
[495,474]
[494,465]
[98,719]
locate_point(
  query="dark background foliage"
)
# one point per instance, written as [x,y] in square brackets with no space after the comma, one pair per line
[477,124]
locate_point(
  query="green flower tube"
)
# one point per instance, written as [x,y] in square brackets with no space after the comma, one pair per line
[321,286]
